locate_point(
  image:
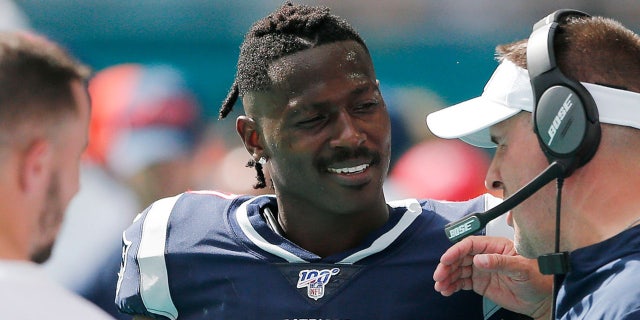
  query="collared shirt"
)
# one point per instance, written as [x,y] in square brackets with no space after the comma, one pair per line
[604,281]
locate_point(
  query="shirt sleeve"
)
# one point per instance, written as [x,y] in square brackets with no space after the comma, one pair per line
[143,286]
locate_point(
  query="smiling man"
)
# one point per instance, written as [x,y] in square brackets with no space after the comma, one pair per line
[326,245]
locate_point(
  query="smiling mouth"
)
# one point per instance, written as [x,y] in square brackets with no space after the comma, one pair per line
[350,170]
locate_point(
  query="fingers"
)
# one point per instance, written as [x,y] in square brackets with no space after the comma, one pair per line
[517,268]
[453,278]
[447,287]
[455,270]
[488,262]
[452,273]
[457,252]
[491,267]
[476,245]
[451,288]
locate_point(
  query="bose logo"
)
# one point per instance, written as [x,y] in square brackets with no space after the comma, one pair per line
[460,229]
[553,129]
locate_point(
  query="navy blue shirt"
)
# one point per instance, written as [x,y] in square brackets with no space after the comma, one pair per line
[604,281]
[206,255]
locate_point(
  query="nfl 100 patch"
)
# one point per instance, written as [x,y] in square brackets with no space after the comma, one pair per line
[318,281]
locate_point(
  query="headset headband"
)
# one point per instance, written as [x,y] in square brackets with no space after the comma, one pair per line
[565,115]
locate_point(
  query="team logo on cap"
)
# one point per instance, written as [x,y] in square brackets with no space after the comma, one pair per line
[315,281]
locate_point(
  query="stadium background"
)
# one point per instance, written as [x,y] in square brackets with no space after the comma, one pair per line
[443,46]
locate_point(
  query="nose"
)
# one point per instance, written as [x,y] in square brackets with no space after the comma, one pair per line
[493,180]
[347,133]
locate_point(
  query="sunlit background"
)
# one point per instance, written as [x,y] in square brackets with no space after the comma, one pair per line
[428,54]
[444,46]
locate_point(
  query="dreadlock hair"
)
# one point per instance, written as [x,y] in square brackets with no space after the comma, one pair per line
[289,29]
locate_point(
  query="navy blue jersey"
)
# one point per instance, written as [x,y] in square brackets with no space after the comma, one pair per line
[604,281]
[206,255]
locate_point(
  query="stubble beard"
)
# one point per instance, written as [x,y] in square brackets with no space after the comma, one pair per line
[49,223]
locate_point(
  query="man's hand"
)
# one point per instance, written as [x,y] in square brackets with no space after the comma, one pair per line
[491,267]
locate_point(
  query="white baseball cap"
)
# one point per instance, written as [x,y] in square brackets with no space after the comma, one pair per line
[507,93]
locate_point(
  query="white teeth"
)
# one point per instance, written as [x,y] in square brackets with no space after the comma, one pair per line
[359,168]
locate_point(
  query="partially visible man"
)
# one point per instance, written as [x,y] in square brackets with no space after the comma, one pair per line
[600,211]
[44,120]
[143,132]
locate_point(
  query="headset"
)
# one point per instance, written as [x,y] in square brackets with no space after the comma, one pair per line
[566,123]
[565,116]
[565,120]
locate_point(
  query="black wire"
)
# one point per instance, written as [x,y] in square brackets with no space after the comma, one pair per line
[558,205]
[557,278]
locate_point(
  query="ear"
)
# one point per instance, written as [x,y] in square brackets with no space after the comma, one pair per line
[247,129]
[36,165]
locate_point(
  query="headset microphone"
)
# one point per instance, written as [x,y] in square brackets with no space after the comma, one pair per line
[474,222]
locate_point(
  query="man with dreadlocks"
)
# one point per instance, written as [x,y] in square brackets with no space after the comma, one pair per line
[327,245]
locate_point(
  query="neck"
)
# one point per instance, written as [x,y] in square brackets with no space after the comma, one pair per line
[13,245]
[15,229]
[604,208]
[18,220]
[325,233]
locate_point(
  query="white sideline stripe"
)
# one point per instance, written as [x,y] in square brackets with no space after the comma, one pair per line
[154,283]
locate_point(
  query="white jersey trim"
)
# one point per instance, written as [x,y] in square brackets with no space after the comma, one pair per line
[242,217]
[154,283]
[413,211]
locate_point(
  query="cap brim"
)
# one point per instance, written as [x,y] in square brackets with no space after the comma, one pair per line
[469,120]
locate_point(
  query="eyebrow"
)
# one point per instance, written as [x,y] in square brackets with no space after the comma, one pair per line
[361,88]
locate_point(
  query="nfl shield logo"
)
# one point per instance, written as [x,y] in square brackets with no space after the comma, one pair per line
[315,280]
[315,290]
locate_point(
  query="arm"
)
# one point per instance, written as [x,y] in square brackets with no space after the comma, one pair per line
[491,267]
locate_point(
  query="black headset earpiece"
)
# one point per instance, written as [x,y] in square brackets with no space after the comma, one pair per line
[565,120]
[565,116]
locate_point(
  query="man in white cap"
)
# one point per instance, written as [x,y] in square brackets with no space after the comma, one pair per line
[589,141]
